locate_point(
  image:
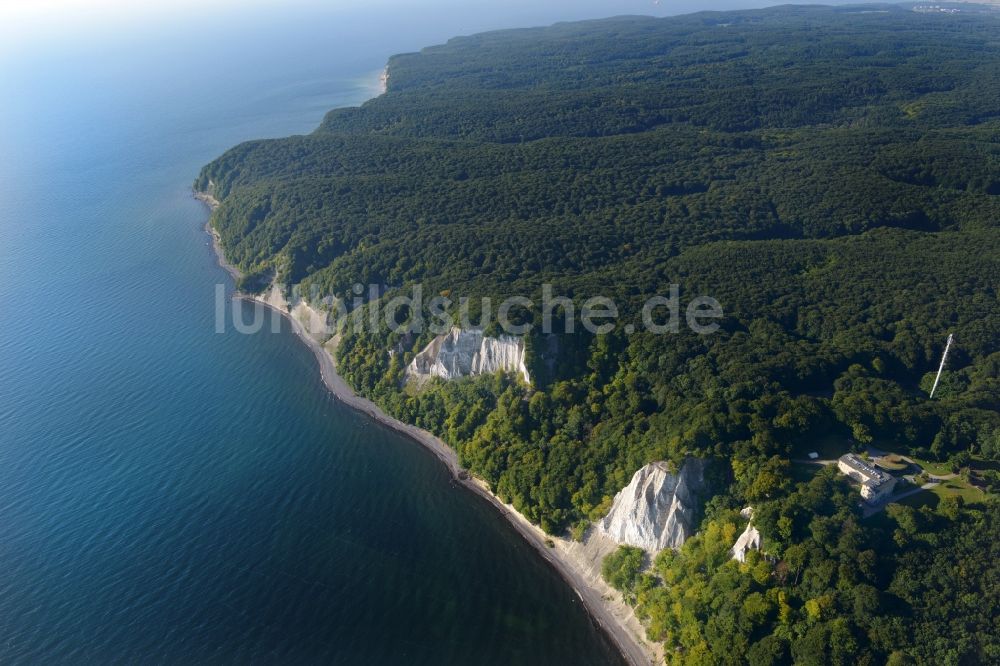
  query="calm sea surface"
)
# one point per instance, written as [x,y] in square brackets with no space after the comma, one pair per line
[172,495]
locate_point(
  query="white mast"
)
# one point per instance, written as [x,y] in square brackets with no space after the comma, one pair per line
[944,358]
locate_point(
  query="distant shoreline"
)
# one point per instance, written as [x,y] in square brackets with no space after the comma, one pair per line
[614,618]
[212,204]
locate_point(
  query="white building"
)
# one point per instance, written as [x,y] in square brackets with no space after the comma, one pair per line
[876,484]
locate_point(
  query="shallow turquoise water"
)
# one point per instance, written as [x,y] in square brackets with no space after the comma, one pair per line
[171,495]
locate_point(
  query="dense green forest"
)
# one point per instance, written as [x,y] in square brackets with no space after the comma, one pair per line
[914,586]
[830,176]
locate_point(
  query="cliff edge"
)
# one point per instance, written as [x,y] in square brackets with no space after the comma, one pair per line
[657,509]
[467,353]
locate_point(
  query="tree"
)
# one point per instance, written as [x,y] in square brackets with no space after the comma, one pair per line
[621,570]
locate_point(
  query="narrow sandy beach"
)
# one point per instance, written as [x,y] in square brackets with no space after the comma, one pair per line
[577,563]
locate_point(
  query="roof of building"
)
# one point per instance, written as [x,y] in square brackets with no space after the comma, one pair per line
[873,476]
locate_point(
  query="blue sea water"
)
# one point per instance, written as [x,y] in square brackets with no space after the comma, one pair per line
[173,495]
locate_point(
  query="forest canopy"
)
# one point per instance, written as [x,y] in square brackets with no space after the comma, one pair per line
[830,175]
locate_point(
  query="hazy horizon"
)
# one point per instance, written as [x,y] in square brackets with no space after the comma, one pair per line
[58,24]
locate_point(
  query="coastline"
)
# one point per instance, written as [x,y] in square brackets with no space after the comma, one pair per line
[578,564]
[212,204]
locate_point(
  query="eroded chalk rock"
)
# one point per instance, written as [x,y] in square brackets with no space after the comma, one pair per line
[467,353]
[749,540]
[658,508]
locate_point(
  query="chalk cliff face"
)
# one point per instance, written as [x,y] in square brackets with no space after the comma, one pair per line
[749,540]
[657,509]
[467,353]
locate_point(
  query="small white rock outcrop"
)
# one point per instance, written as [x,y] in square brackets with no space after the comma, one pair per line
[657,509]
[467,353]
[749,540]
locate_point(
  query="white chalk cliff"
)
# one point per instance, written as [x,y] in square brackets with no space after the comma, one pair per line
[657,509]
[467,353]
[749,540]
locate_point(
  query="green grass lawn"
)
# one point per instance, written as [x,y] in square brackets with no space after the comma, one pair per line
[940,469]
[969,493]
[829,447]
